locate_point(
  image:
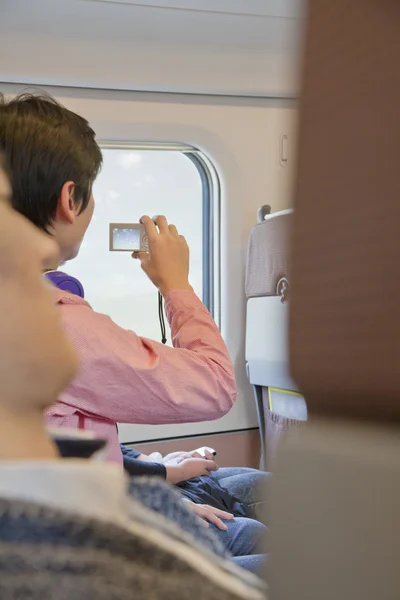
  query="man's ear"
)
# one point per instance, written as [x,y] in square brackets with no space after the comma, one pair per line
[66,209]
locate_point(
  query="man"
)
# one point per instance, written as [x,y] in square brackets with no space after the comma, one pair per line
[122,377]
[67,528]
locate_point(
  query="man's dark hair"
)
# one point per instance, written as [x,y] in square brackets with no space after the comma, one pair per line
[45,146]
[4,165]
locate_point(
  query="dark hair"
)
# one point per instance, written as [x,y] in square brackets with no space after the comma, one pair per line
[4,165]
[45,146]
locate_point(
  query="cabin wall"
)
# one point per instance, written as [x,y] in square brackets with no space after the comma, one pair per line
[242,139]
[242,48]
[147,68]
[234,449]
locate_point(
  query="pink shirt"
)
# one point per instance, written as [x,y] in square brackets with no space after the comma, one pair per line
[128,379]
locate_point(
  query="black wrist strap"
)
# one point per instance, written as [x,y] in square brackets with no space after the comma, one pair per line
[162,319]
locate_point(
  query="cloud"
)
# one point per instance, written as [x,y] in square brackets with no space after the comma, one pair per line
[126,160]
[113,195]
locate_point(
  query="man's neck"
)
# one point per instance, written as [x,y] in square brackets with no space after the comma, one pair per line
[51,267]
[23,437]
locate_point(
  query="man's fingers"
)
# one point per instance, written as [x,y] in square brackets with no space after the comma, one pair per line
[150,226]
[173,230]
[211,465]
[143,257]
[211,518]
[183,239]
[214,516]
[210,514]
[161,223]
[221,513]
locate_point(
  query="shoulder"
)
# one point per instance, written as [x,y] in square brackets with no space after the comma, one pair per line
[63,297]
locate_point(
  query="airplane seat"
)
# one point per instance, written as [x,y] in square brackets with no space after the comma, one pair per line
[334,515]
[279,405]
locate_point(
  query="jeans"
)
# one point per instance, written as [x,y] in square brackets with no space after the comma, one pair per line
[255,563]
[247,485]
[242,539]
[245,538]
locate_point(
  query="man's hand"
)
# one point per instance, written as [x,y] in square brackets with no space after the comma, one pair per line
[167,262]
[189,468]
[209,514]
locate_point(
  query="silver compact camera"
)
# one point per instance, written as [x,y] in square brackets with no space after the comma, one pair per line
[128,237]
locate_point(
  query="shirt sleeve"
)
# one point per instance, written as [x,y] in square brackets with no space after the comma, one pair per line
[129,452]
[126,378]
[138,468]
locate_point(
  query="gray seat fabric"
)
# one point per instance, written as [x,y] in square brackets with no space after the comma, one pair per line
[336,502]
[267,284]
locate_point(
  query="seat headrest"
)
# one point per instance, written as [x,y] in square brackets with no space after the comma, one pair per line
[267,255]
[345,258]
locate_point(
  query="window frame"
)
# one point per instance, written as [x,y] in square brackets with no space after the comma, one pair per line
[211,195]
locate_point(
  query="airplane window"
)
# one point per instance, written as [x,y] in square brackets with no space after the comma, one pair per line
[136,181]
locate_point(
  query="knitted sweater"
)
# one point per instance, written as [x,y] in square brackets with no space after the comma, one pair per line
[70,531]
[47,554]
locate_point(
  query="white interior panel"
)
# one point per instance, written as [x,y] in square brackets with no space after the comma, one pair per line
[267,351]
[265,8]
[140,46]
[266,336]
[241,137]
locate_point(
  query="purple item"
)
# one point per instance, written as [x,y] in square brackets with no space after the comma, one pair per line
[66,282]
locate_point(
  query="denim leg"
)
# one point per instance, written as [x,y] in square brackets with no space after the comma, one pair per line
[255,563]
[243,536]
[247,485]
[224,472]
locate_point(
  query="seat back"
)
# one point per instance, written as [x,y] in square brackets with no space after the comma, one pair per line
[278,402]
[335,508]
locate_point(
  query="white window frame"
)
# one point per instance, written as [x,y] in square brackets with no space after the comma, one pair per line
[211,206]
